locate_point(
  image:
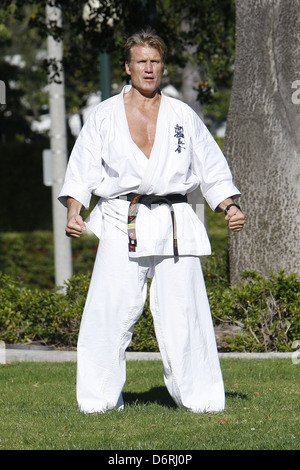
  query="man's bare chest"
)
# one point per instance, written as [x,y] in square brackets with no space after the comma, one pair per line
[142,128]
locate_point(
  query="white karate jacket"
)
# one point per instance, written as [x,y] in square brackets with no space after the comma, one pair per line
[106,161]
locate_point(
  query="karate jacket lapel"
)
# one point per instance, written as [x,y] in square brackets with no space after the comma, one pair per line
[138,155]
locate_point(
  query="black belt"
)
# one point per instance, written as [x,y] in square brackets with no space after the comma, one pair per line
[147,200]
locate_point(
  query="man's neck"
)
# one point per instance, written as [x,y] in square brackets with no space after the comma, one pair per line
[138,98]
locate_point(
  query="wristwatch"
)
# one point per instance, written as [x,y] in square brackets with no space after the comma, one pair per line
[231,205]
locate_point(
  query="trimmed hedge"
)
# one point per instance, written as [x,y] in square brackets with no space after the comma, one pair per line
[41,316]
[28,257]
[265,310]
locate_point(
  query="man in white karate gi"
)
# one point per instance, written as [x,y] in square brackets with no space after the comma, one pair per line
[143,152]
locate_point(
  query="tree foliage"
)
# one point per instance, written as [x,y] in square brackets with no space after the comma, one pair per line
[210,26]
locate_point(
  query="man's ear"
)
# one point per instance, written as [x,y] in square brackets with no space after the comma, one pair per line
[127,68]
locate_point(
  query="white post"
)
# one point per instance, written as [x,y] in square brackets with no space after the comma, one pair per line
[2,353]
[58,143]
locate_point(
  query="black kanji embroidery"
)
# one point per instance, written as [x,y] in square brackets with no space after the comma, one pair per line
[179,136]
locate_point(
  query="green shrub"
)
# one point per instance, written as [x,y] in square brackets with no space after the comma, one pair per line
[29,259]
[215,270]
[266,310]
[144,338]
[38,315]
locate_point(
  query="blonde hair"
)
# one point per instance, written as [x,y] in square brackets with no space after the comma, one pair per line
[147,38]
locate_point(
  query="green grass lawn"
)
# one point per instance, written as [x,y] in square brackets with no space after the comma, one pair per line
[38,410]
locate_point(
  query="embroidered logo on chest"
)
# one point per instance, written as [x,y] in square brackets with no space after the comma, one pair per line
[180,138]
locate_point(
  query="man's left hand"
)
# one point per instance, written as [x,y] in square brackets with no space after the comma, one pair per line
[235,218]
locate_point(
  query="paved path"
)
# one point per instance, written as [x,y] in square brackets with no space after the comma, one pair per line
[34,354]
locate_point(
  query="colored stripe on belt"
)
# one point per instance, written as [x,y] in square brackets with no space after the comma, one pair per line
[148,199]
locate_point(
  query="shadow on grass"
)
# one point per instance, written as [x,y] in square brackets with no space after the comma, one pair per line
[160,396]
[241,396]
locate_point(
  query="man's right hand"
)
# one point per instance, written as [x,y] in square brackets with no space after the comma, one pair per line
[75,226]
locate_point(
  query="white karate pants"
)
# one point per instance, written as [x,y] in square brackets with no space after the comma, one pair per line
[182,322]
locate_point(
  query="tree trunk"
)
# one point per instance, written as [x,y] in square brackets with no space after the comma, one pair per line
[262,142]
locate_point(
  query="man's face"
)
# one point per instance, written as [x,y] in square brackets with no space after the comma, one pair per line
[145,69]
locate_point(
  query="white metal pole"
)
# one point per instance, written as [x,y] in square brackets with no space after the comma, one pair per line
[58,143]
